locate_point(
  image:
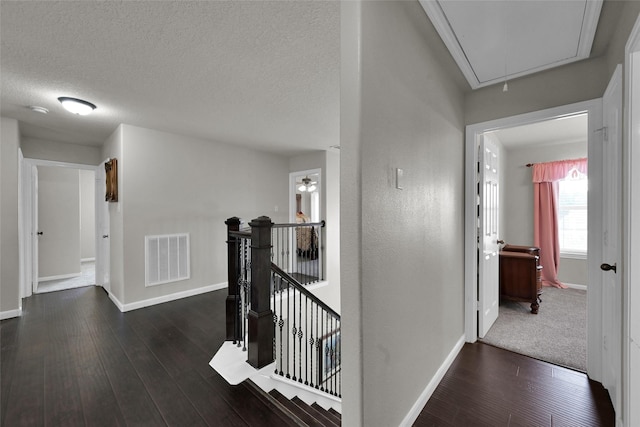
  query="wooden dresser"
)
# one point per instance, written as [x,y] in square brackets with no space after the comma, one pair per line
[520,274]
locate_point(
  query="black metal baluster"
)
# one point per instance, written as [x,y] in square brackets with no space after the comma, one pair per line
[334,358]
[311,341]
[318,352]
[306,329]
[281,324]
[294,332]
[300,334]
[288,317]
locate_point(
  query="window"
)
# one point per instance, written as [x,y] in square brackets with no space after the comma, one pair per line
[572,215]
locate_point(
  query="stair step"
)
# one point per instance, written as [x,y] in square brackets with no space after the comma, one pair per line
[319,414]
[287,419]
[297,410]
[332,414]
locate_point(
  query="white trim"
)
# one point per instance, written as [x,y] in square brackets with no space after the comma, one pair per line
[59,277]
[574,255]
[9,314]
[441,23]
[594,321]
[165,298]
[292,189]
[631,224]
[40,162]
[231,363]
[575,286]
[418,406]
[87,260]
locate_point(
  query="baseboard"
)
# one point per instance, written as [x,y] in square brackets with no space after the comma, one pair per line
[9,314]
[165,298]
[575,286]
[417,407]
[59,277]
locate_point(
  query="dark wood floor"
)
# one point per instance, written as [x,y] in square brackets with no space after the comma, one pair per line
[73,359]
[488,386]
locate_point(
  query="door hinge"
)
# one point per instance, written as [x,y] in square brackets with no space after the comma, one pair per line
[605,134]
[476,306]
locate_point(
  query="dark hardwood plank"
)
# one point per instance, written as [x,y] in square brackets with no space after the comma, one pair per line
[490,386]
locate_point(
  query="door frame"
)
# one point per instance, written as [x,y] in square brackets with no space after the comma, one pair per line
[631,231]
[29,191]
[472,136]
[292,190]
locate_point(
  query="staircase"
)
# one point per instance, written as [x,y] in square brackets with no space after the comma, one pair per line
[296,410]
[282,340]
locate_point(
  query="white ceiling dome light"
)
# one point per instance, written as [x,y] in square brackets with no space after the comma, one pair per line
[76,106]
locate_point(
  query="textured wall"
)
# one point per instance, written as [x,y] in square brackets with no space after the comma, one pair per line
[176,184]
[87,214]
[61,152]
[518,199]
[9,255]
[411,257]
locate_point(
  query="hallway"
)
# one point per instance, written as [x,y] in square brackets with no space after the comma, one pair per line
[73,359]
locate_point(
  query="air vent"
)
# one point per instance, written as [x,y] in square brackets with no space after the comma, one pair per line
[166,259]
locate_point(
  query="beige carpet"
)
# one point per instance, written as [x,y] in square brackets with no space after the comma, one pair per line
[557,334]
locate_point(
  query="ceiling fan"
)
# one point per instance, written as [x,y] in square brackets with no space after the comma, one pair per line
[306,184]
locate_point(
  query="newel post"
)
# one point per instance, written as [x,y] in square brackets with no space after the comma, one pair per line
[233,274]
[261,328]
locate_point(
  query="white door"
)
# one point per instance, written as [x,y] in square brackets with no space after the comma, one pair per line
[35,231]
[103,258]
[488,260]
[611,239]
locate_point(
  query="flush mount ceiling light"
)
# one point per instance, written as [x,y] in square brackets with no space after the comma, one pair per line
[76,106]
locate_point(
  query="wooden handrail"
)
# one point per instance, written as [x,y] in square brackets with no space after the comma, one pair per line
[300,287]
[300,224]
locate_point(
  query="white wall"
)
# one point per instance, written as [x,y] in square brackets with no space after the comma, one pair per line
[402,254]
[174,184]
[518,198]
[59,222]
[10,303]
[87,214]
[61,152]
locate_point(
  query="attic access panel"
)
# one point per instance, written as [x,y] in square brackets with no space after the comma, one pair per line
[493,39]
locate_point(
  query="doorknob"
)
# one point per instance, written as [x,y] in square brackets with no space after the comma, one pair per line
[104,236]
[39,233]
[500,242]
[607,267]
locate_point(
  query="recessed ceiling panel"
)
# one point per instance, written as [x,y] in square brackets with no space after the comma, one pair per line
[496,40]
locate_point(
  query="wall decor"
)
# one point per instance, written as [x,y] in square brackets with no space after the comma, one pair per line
[111,169]
[329,356]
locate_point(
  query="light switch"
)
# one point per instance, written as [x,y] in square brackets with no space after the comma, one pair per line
[399,178]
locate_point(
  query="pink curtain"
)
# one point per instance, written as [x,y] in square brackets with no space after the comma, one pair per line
[545,227]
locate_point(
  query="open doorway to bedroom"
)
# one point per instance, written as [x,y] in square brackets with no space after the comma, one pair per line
[66,228]
[556,334]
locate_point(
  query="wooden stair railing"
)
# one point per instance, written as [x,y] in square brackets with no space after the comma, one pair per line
[272,315]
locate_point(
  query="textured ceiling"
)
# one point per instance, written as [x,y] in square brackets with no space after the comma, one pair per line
[261,74]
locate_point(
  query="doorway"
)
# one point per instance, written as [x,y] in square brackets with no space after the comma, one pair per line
[473,302]
[58,210]
[557,334]
[66,228]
